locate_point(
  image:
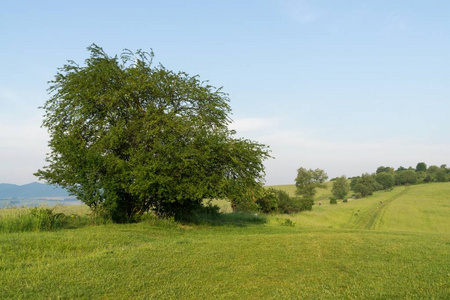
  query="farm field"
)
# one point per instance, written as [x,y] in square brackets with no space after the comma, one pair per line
[392,245]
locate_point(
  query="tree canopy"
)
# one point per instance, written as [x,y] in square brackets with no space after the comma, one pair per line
[340,187]
[307,181]
[127,137]
[421,167]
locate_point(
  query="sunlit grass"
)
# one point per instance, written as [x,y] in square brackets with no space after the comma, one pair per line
[423,208]
[362,249]
[43,218]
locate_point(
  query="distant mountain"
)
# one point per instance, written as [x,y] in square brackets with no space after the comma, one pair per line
[5,186]
[31,190]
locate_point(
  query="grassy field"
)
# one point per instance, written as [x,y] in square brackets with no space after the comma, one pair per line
[392,245]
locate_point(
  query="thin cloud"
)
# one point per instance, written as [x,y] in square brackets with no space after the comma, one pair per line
[299,12]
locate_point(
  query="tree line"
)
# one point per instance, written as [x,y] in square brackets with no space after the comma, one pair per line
[385,178]
[307,182]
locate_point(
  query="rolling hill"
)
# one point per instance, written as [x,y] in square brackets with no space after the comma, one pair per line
[391,245]
[31,190]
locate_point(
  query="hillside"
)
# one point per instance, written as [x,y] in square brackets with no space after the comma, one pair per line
[418,208]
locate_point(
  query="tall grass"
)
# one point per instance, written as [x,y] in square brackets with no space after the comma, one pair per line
[40,219]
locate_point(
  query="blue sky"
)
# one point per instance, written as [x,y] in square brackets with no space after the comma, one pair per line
[345,86]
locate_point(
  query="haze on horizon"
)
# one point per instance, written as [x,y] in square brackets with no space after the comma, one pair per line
[345,86]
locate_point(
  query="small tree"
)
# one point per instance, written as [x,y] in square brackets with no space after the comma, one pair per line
[340,188]
[386,180]
[307,181]
[421,167]
[366,185]
[406,177]
[354,182]
[363,190]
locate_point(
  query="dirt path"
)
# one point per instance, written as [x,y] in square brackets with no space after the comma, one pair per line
[368,219]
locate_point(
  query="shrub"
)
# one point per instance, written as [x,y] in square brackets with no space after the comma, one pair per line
[272,200]
[333,200]
[268,201]
[288,204]
[287,222]
[305,203]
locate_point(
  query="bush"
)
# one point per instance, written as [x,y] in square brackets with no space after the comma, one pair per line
[363,190]
[288,204]
[268,201]
[333,200]
[277,201]
[305,203]
[287,222]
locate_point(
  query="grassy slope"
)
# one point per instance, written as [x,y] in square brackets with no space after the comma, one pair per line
[360,249]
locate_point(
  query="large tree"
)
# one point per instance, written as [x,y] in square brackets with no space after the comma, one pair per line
[127,137]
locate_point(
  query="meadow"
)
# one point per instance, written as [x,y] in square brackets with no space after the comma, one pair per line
[392,245]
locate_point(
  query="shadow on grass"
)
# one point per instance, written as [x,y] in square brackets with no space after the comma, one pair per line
[45,219]
[226,219]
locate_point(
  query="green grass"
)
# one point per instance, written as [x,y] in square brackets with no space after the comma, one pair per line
[44,218]
[363,249]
